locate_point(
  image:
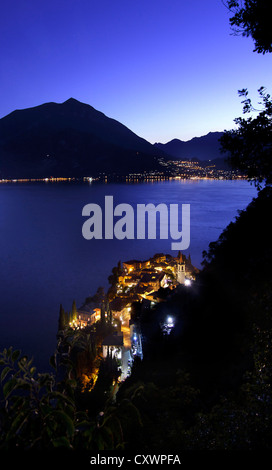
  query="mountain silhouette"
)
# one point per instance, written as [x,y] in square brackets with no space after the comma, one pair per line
[206,147]
[70,139]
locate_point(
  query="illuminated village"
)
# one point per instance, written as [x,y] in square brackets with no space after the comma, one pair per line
[170,170]
[143,282]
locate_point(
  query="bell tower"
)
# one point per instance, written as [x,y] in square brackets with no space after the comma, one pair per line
[181,273]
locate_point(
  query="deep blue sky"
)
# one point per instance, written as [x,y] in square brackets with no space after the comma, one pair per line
[164,68]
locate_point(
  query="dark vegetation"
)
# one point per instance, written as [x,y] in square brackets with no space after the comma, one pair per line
[206,385]
[251,18]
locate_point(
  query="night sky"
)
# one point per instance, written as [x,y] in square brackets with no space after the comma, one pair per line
[164,68]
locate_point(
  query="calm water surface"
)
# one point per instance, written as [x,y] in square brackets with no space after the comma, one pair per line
[45,261]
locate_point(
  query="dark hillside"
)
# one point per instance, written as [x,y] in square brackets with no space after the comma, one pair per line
[211,376]
[206,147]
[69,139]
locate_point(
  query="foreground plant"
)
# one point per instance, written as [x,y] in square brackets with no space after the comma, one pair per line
[39,412]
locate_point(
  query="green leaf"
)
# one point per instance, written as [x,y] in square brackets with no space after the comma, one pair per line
[29,363]
[9,351]
[15,355]
[107,436]
[5,372]
[100,442]
[17,424]
[22,363]
[45,380]
[9,387]
[66,420]
[23,384]
[52,362]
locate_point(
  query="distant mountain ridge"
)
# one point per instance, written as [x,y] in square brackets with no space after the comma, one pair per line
[70,139]
[206,147]
[73,139]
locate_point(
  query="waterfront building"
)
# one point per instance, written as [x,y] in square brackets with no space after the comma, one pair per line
[87,315]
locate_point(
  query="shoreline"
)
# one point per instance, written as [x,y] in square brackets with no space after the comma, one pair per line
[120,179]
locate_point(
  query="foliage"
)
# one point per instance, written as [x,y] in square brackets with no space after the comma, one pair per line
[98,297]
[74,311]
[242,421]
[62,318]
[238,268]
[222,342]
[115,273]
[38,412]
[250,145]
[35,414]
[165,408]
[252,18]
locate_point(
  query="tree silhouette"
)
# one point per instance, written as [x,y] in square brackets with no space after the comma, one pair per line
[62,319]
[74,311]
[249,146]
[102,314]
[252,18]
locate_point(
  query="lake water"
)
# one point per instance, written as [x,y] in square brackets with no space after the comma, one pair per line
[45,261]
